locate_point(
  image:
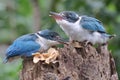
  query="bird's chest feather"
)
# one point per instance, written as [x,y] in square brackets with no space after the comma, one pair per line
[74,31]
[42,44]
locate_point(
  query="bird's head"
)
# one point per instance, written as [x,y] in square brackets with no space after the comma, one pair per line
[51,37]
[65,17]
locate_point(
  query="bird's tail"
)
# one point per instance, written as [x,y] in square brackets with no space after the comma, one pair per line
[5,60]
[109,36]
[112,36]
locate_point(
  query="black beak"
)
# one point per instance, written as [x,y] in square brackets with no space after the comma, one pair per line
[56,15]
[53,13]
[60,40]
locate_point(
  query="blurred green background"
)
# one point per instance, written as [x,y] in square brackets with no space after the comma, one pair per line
[18,17]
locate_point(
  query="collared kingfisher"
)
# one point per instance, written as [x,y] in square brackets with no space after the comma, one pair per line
[27,45]
[81,28]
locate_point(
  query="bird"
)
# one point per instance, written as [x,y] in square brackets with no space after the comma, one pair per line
[81,28]
[27,45]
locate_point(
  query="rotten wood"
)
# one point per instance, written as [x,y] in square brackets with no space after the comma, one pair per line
[85,63]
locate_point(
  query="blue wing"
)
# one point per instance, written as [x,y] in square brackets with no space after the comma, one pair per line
[92,24]
[23,46]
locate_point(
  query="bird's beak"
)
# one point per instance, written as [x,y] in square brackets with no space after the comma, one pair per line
[60,40]
[56,16]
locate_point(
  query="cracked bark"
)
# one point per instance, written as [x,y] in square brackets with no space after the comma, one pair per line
[86,63]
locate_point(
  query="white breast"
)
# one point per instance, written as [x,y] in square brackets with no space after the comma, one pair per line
[42,43]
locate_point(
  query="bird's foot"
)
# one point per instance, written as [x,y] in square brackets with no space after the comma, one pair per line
[48,57]
[87,43]
[104,44]
[75,44]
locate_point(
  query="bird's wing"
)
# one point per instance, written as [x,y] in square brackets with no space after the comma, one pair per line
[92,24]
[19,48]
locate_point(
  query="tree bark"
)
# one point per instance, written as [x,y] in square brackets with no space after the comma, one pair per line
[85,63]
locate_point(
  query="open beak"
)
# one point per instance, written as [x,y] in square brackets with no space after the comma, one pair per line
[55,15]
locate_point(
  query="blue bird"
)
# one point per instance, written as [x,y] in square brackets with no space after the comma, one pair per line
[81,28]
[27,45]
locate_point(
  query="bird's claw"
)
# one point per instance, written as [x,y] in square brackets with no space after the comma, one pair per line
[75,44]
[86,43]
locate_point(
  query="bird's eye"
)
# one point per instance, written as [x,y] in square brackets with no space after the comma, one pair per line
[52,36]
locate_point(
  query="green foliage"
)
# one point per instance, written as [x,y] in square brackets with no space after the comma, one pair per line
[10,71]
[16,19]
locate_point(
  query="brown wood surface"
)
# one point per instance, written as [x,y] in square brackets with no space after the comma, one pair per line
[85,63]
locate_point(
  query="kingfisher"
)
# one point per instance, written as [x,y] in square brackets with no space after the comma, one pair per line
[27,45]
[81,28]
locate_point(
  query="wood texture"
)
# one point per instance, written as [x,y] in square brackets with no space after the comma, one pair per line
[85,63]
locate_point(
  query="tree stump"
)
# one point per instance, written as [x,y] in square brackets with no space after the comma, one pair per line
[85,63]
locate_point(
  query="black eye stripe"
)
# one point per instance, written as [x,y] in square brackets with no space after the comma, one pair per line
[70,16]
[38,33]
